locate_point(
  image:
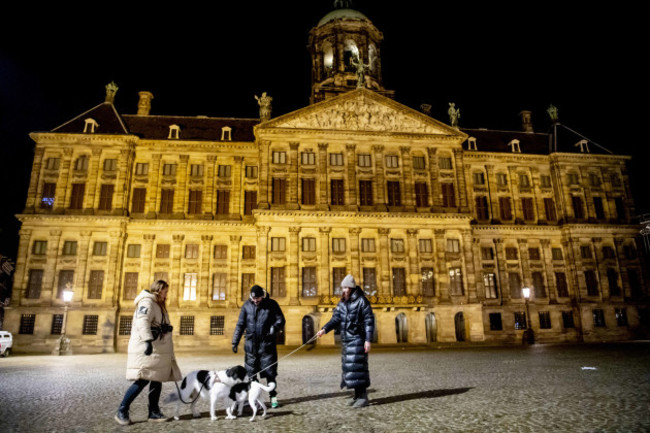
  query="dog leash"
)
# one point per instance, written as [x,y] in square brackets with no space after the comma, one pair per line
[286,356]
[197,395]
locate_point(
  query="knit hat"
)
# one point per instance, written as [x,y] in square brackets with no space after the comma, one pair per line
[348,281]
[257,291]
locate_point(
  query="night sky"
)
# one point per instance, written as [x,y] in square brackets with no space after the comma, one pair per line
[493,60]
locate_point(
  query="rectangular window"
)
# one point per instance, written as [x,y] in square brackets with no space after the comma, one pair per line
[514,281]
[370,281]
[278,283]
[337,192]
[307,158]
[57,324]
[106,197]
[615,180]
[223,171]
[528,208]
[629,252]
[478,178]
[189,286]
[133,251]
[487,253]
[453,246]
[81,163]
[599,318]
[549,209]
[365,193]
[47,196]
[90,325]
[612,279]
[126,322]
[247,281]
[538,284]
[573,179]
[27,322]
[309,282]
[187,325]
[365,160]
[279,191]
[634,282]
[95,284]
[337,276]
[524,181]
[110,164]
[368,245]
[192,251]
[578,209]
[567,320]
[561,284]
[338,245]
[512,253]
[490,283]
[195,202]
[591,282]
[130,285]
[169,169]
[621,316]
[278,244]
[166,201]
[251,171]
[585,252]
[162,251]
[309,244]
[397,246]
[556,253]
[620,208]
[495,322]
[392,161]
[448,195]
[455,281]
[39,248]
[598,208]
[223,202]
[394,196]
[445,163]
[506,208]
[250,202]
[544,320]
[217,325]
[196,170]
[308,191]
[502,179]
[533,254]
[336,159]
[138,200]
[399,282]
[77,195]
[426,246]
[52,163]
[545,181]
[219,286]
[594,180]
[427,281]
[34,284]
[421,194]
[70,248]
[482,211]
[520,320]
[248,252]
[141,168]
[608,252]
[419,163]
[279,157]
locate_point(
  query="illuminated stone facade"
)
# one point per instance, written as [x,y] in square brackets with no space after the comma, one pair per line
[441,227]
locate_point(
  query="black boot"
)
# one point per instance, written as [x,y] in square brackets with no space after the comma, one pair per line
[362,401]
[353,399]
[156,415]
[122,416]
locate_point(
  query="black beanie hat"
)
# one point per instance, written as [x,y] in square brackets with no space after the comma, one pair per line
[257,291]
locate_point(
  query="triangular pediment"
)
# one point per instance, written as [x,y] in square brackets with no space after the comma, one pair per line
[362,110]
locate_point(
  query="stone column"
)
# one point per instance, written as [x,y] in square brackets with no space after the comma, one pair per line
[384,272]
[500,268]
[203,282]
[176,283]
[408,199]
[323,202]
[79,284]
[148,256]
[180,196]
[233,295]
[32,197]
[436,191]
[572,248]
[351,187]
[123,181]
[468,260]
[442,277]
[237,194]
[413,279]
[49,274]
[294,265]
[525,266]
[355,268]
[20,273]
[115,277]
[597,247]
[547,260]
[292,178]
[153,192]
[476,262]
[324,262]
[618,245]
[379,184]
[262,255]
[264,177]
[63,186]
[210,193]
[460,176]
[493,200]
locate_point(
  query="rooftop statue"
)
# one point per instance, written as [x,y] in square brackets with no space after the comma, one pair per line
[552,113]
[111,90]
[264,102]
[361,70]
[454,114]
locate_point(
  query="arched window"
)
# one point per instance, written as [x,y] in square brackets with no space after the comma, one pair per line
[459,322]
[431,327]
[401,328]
[372,58]
[350,52]
[328,57]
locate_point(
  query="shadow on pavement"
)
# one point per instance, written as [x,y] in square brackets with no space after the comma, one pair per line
[418,395]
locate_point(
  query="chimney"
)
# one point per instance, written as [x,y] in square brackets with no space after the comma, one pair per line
[526,121]
[144,105]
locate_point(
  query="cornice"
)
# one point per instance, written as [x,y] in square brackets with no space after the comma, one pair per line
[330,215]
[164,145]
[58,138]
[348,133]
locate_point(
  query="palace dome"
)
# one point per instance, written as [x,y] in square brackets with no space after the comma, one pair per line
[342,13]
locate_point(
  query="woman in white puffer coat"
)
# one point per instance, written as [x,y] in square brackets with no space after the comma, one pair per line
[151,352]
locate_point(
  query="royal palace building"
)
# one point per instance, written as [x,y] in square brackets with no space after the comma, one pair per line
[442,226]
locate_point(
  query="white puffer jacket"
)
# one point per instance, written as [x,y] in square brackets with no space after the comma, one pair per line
[161,365]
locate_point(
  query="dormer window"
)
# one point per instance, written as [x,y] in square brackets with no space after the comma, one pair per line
[583,145]
[226,133]
[174,132]
[90,125]
[471,143]
[514,144]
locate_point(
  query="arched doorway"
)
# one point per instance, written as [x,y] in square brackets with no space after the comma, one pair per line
[459,321]
[401,328]
[431,327]
[308,328]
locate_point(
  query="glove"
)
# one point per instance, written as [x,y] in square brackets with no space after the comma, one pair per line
[234,348]
[149,350]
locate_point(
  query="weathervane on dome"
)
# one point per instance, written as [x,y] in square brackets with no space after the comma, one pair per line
[342,4]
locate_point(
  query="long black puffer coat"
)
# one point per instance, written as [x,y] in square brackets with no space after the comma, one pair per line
[357,324]
[259,346]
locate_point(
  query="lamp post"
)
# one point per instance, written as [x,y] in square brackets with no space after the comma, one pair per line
[529,336]
[63,346]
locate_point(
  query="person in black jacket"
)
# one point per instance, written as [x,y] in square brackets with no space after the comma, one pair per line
[353,315]
[262,319]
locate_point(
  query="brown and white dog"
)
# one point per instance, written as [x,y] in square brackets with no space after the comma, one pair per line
[204,384]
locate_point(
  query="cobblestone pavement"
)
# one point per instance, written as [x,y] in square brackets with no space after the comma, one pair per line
[536,389]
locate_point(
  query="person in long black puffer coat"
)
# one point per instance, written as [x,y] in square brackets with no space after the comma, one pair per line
[262,319]
[353,315]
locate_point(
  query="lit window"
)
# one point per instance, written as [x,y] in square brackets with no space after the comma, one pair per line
[189,287]
[52,163]
[336,159]
[365,160]
[251,171]
[392,161]
[279,157]
[110,164]
[426,246]
[224,171]
[278,244]
[453,246]
[308,158]
[419,163]
[169,169]
[309,244]
[338,245]
[397,245]
[368,245]
[141,168]
[196,170]
[133,251]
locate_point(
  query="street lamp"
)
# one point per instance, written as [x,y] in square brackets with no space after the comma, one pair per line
[63,347]
[529,336]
